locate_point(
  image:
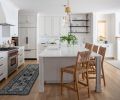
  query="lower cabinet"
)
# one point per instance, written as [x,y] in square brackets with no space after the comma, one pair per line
[3,65]
[20,56]
[30,54]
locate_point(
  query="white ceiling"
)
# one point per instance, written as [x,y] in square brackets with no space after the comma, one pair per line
[57,6]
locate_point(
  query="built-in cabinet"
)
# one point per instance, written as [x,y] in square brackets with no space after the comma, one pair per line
[28,33]
[3,65]
[52,25]
[27,20]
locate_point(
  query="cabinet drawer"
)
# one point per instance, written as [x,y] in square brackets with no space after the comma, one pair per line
[30,54]
[1,59]
[1,74]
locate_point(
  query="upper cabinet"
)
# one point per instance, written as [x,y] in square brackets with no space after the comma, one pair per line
[51,25]
[27,20]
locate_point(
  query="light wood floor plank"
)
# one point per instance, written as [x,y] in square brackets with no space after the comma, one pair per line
[52,92]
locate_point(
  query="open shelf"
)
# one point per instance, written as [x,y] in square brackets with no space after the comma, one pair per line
[79,26]
[80,20]
[80,23]
[78,32]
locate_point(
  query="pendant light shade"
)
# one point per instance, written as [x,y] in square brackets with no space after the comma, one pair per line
[67,9]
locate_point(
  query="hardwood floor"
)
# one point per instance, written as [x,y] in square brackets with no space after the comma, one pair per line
[52,92]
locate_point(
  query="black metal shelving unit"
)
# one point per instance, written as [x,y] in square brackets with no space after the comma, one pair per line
[74,27]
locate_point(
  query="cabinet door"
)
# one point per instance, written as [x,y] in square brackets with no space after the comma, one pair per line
[63,26]
[48,25]
[22,19]
[56,26]
[41,25]
[31,54]
[23,35]
[32,20]
[28,20]
[32,38]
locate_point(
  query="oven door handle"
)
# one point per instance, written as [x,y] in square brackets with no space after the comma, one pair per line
[16,56]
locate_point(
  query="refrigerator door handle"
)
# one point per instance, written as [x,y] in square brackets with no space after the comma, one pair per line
[27,50]
[26,40]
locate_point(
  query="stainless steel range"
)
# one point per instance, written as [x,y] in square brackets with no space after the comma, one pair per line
[12,58]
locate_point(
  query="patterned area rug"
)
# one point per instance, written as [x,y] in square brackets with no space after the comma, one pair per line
[23,82]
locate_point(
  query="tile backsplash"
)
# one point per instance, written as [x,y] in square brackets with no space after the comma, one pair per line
[2,38]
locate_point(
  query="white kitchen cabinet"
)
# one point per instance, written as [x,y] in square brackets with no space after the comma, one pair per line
[27,20]
[56,26]
[20,55]
[22,37]
[48,25]
[30,54]
[32,38]
[28,39]
[3,65]
[28,33]
[53,26]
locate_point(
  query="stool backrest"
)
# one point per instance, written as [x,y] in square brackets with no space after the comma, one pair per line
[83,59]
[88,46]
[95,48]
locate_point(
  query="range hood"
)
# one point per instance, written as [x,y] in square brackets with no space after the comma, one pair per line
[4,19]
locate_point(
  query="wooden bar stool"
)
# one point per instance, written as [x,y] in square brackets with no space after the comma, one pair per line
[81,67]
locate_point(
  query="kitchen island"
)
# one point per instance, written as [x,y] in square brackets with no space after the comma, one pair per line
[53,58]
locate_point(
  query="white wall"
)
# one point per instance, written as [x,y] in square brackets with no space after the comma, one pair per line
[110,25]
[117,34]
[110,28]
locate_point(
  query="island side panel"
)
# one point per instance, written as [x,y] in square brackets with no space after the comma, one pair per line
[52,66]
[98,74]
[41,74]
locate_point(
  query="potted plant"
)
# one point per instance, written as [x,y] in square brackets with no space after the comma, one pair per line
[70,39]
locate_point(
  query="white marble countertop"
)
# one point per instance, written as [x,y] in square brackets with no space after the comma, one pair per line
[55,51]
